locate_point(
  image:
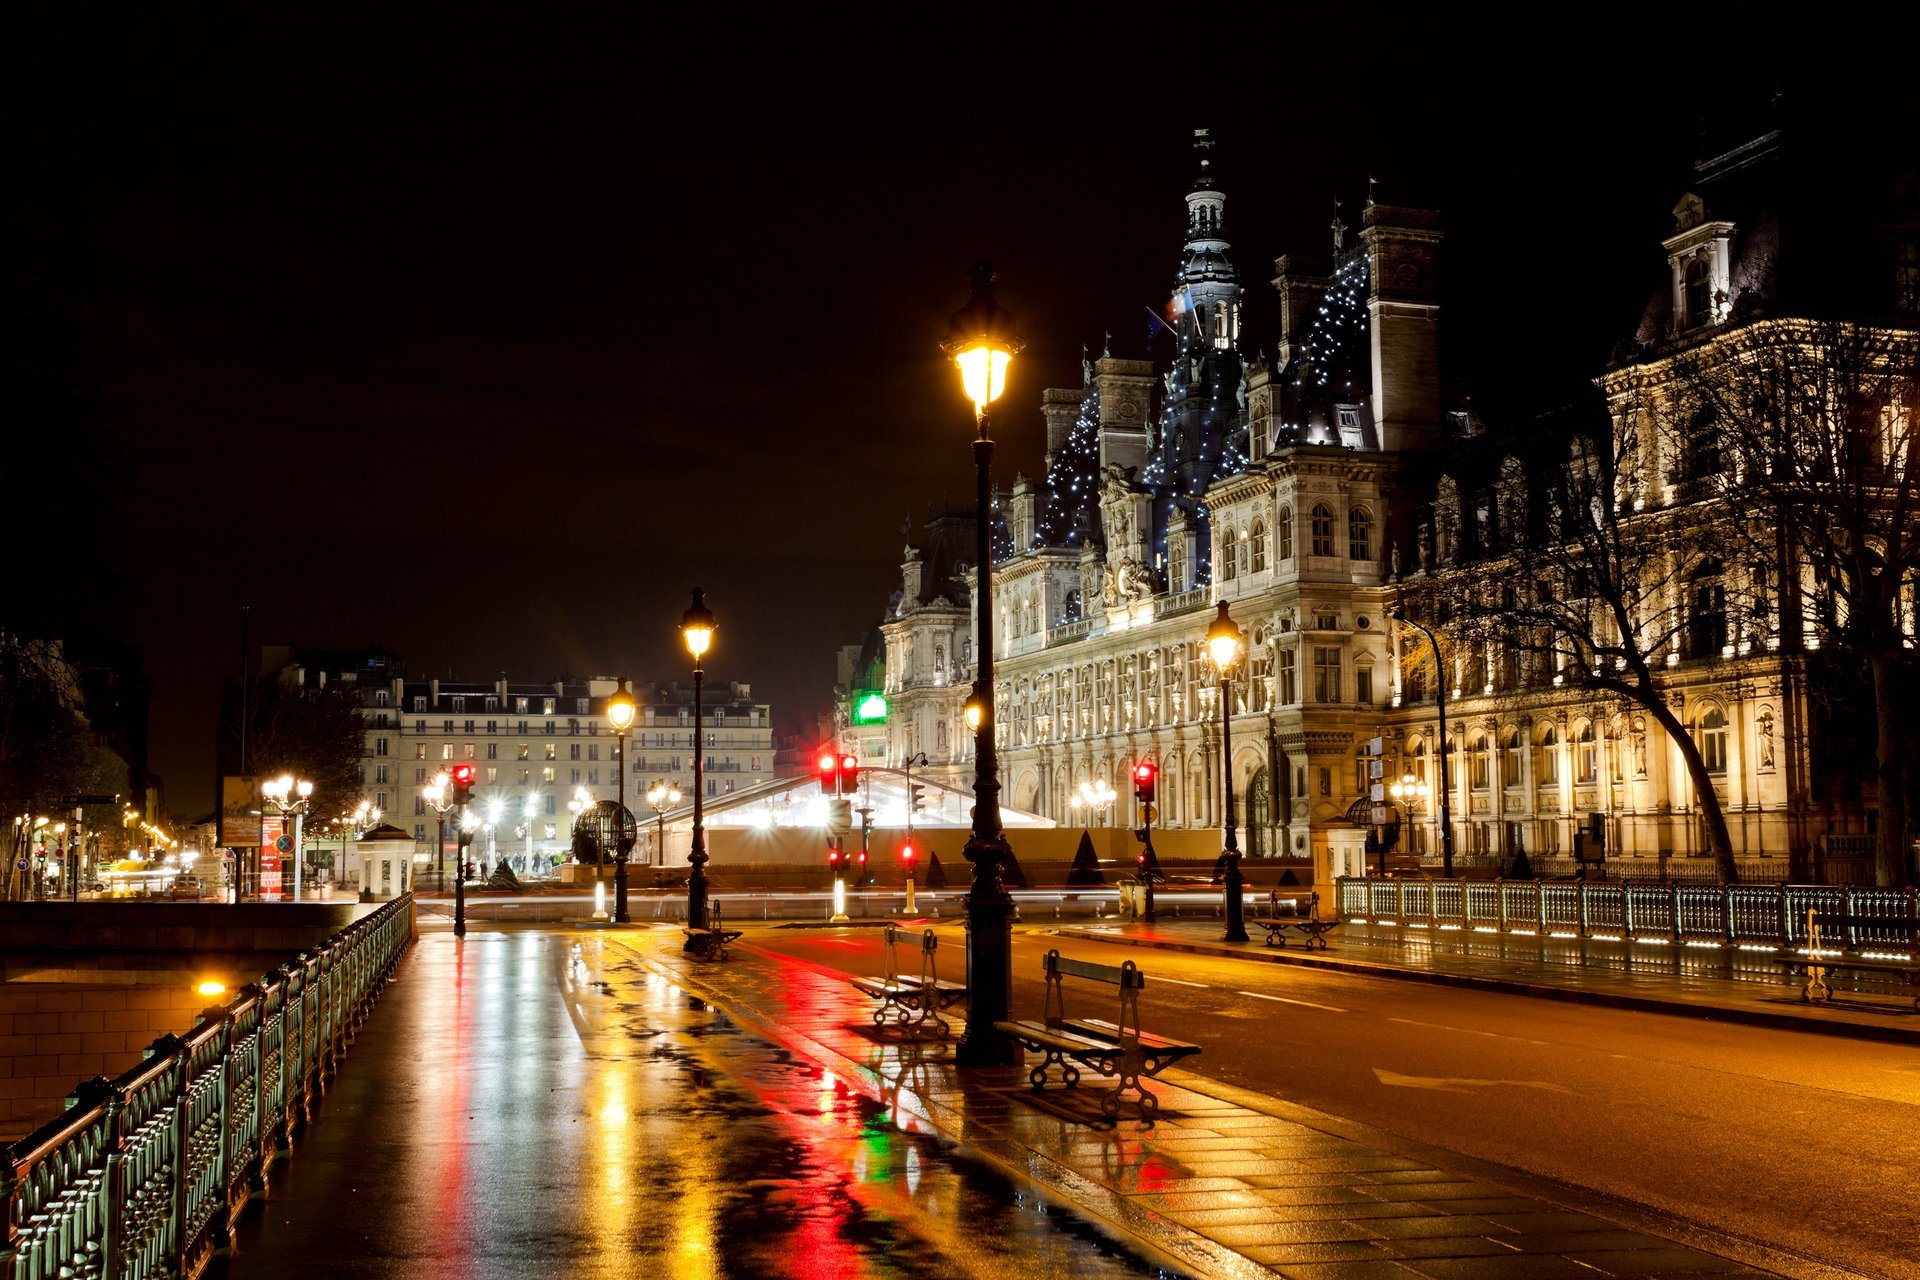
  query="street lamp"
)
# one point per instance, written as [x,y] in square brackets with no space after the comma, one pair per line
[1224,638]
[620,711]
[1409,791]
[696,627]
[439,797]
[982,342]
[662,795]
[1440,703]
[1093,796]
[290,795]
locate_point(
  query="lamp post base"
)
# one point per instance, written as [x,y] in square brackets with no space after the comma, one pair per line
[620,891]
[989,959]
[696,895]
[1235,895]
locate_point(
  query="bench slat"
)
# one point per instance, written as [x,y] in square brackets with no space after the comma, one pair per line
[1113,975]
[1109,1031]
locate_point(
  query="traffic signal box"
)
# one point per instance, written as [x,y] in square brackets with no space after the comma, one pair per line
[463,775]
[839,774]
[909,856]
[1145,773]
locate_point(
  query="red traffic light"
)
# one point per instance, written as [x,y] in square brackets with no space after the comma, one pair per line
[828,771]
[908,853]
[1144,774]
[463,774]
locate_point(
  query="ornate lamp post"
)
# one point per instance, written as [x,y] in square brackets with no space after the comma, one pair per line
[439,798]
[1409,791]
[1440,703]
[662,795]
[1093,796]
[1225,640]
[620,710]
[289,795]
[696,627]
[982,341]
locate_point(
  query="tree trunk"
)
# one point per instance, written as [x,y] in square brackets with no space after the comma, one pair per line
[1708,800]
[1890,844]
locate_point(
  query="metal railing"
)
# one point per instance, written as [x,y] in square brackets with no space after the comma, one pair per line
[1660,910]
[145,1174]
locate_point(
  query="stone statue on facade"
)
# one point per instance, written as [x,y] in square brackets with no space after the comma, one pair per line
[1766,737]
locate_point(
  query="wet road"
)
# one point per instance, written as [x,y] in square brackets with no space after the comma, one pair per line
[1807,1142]
[534,1103]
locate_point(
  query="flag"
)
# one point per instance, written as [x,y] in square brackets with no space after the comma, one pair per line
[1155,326]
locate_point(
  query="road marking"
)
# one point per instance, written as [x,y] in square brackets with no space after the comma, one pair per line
[1467,1031]
[1460,1084]
[1179,982]
[1261,995]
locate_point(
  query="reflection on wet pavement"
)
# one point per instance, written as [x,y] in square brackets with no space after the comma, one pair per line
[540,1104]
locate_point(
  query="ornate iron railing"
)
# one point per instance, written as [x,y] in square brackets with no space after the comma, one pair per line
[146,1173]
[1666,910]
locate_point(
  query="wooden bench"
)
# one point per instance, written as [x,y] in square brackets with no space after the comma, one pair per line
[909,1001]
[711,942]
[1310,926]
[1117,1048]
[1825,934]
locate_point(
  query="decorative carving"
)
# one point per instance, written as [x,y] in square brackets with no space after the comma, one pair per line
[1766,737]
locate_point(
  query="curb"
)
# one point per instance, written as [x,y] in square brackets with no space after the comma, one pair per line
[1539,991]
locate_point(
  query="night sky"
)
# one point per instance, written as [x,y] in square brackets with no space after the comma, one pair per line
[486,341]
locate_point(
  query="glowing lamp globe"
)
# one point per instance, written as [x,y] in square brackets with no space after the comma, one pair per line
[981,340]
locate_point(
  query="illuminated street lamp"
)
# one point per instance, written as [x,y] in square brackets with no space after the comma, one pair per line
[1227,643]
[982,342]
[439,797]
[290,795]
[696,627]
[1093,796]
[1440,705]
[662,795]
[620,711]
[1409,791]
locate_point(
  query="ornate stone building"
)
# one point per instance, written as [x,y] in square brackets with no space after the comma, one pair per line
[1314,495]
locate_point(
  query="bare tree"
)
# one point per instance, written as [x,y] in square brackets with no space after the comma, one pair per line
[1814,427]
[313,733]
[1581,590]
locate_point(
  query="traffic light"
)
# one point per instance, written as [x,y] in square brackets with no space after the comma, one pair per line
[463,774]
[907,856]
[1144,774]
[861,876]
[849,775]
[916,801]
[828,771]
[833,859]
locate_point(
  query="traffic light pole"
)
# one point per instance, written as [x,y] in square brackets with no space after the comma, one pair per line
[460,836]
[1147,860]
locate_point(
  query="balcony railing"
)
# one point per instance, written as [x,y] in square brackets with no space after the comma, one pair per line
[1184,602]
[145,1174]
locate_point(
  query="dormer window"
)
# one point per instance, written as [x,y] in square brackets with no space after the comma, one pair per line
[1697,308]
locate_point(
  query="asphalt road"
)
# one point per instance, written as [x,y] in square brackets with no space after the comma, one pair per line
[1808,1143]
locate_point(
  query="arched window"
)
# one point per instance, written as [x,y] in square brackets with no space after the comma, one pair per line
[1228,560]
[1586,758]
[1480,766]
[1177,566]
[1549,758]
[1360,534]
[1283,529]
[1510,764]
[1420,761]
[1258,538]
[1322,530]
[1713,740]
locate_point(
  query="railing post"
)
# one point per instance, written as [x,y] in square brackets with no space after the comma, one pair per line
[1433,903]
[1540,906]
[1726,913]
[1780,912]
[1673,889]
[1466,906]
[1626,909]
[1500,900]
[1848,908]
[1583,909]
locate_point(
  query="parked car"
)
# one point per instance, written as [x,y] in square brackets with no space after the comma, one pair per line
[187,887]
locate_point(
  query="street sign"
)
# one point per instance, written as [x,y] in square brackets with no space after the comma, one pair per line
[1379,815]
[75,801]
[1376,746]
[1379,793]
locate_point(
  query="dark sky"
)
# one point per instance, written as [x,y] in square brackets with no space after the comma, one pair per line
[487,340]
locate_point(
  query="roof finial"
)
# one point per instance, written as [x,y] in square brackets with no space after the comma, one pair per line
[1339,228]
[1106,346]
[1372,183]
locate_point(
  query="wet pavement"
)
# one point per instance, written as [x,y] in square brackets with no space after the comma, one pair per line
[1728,983]
[534,1103]
[590,1102]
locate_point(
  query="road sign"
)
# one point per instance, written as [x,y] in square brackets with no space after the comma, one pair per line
[284,844]
[1379,793]
[1376,746]
[73,801]
[1379,815]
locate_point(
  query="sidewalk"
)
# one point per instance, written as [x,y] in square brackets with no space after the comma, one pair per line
[1226,1182]
[1727,984]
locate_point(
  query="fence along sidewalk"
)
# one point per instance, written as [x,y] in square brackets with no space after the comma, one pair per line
[1764,915]
[146,1174]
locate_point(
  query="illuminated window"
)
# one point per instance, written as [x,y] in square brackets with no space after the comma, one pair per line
[1586,758]
[1283,532]
[1713,740]
[1326,673]
[553,751]
[419,751]
[1510,766]
[1479,763]
[1228,561]
[526,751]
[446,751]
[1257,539]
[1549,758]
